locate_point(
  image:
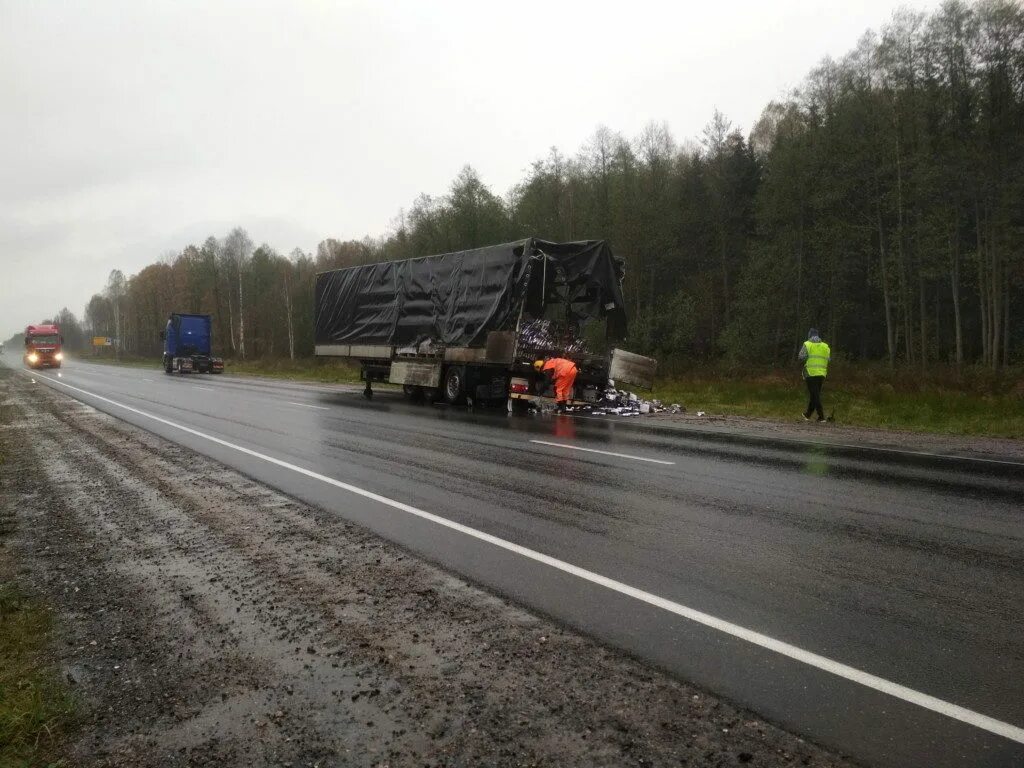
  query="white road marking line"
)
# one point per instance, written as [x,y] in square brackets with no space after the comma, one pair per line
[603,453]
[954,711]
[305,405]
[200,386]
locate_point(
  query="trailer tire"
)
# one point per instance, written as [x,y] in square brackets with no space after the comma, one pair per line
[168,365]
[455,385]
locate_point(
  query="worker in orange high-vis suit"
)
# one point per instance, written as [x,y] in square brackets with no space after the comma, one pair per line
[562,373]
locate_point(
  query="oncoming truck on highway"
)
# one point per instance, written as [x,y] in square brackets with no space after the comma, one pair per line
[468,326]
[43,346]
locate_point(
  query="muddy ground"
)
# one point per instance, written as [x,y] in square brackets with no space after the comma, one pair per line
[205,619]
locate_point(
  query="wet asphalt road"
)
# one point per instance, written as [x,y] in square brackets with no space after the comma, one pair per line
[907,567]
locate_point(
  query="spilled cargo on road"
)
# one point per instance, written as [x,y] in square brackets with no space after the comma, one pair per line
[467,326]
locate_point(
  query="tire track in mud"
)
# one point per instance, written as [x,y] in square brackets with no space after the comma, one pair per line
[215,621]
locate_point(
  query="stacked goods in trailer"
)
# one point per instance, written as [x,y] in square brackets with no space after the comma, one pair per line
[462,325]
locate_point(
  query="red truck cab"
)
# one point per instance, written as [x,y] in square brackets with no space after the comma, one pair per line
[43,346]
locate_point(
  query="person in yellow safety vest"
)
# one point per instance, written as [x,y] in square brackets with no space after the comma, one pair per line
[815,355]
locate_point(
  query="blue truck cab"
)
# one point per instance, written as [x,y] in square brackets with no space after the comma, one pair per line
[188,345]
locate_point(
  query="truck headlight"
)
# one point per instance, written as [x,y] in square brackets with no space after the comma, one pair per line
[59,356]
[32,357]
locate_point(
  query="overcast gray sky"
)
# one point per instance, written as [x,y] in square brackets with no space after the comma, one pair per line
[133,128]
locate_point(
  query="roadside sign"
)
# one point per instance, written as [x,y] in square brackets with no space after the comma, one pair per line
[102,341]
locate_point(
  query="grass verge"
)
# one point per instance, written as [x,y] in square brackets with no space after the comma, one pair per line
[323,371]
[35,706]
[971,403]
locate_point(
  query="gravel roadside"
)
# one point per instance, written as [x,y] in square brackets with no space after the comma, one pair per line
[206,619]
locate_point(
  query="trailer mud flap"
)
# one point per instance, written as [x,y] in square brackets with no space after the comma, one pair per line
[414,373]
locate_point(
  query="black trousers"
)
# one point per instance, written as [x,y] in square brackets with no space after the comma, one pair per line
[814,390]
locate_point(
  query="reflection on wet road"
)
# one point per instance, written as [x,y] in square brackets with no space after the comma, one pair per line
[907,567]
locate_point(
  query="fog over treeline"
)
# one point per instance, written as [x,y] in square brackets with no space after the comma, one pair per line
[880,202]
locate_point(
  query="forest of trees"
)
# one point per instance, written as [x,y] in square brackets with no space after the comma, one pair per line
[882,202]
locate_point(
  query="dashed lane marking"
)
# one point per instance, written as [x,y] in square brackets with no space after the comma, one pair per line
[603,453]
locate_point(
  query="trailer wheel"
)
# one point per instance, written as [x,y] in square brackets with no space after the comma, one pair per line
[455,385]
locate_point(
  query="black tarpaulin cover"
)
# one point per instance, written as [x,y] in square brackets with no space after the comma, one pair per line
[455,299]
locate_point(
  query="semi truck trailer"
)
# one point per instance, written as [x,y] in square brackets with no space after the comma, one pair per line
[461,326]
[188,345]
